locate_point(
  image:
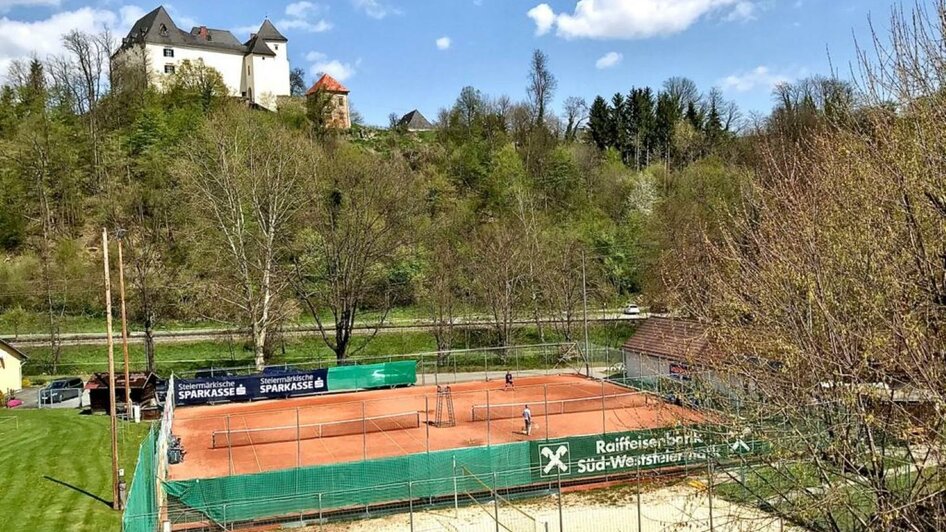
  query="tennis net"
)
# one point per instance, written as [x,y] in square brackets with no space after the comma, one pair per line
[289,433]
[559,406]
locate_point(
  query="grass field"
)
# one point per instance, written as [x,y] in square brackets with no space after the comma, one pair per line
[55,470]
[180,357]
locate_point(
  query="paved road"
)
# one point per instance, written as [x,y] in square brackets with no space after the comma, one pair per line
[199,335]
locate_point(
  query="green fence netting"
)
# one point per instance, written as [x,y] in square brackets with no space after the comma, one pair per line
[141,507]
[237,498]
[443,473]
[372,375]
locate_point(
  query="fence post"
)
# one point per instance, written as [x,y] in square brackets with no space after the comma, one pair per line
[456,498]
[489,415]
[486,365]
[561,517]
[320,511]
[640,524]
[456,372]
[604,418]
[364,431]
[427,416]
[495,502]
[545,398]
[298,441]
[709,470]
[410,502]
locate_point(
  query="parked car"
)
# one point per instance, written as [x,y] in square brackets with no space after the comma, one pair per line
[632,310]
[61,390]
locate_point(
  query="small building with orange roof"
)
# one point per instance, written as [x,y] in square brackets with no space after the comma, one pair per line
[339,115]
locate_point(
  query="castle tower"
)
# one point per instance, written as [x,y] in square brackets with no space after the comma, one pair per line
[340,115]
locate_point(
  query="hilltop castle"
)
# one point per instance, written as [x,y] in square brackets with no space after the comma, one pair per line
[256,70]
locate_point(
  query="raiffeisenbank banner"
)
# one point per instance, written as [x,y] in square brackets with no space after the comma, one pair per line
[628,451]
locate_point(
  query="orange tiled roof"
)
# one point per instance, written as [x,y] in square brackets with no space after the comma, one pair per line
[328,84]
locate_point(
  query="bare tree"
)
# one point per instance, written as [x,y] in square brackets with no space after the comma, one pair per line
[542,85]
[246,175]
[576,112]
[497,270]
[359,219]
[826,301]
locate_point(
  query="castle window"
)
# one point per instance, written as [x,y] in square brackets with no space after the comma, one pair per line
[168,52]
[164,30]
[247,70]
[277,46]
[168,69]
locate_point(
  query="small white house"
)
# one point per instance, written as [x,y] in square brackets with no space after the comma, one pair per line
[11,368]
[256,70]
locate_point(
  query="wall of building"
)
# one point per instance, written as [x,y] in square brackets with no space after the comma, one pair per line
[264,75]
[230,65]
[278,82]
[340,116]
[651,368]
[11,375]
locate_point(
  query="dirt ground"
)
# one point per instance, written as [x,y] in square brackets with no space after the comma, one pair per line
[620,411]
[684,506]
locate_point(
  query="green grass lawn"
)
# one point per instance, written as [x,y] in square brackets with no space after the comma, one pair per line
[55,470]
[183,357]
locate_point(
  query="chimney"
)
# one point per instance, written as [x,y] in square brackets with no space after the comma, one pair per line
[202,33]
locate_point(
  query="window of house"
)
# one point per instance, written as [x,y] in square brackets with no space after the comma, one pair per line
[163,30]
[168,69]
[168,52]
[277,46]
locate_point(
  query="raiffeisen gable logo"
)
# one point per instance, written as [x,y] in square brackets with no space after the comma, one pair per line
[554,459]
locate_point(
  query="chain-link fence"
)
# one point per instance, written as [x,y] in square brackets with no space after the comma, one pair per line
[636,500]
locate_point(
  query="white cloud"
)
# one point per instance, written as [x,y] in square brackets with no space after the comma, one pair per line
[443,43]
[761,77]
[544,18]
[639,19]
[609,60]
[743,11]
[42,38]
[301,9]
[304,25]
[321,64]
[375,8]
[301,16]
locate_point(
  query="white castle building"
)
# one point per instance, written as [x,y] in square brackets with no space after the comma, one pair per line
[257,70]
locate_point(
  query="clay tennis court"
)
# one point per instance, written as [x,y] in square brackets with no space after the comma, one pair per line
[243,438]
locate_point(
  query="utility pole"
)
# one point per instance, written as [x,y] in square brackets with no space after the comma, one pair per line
[584,304]
[116,500]
[120,234]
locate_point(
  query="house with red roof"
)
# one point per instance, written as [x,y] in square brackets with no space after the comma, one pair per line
[339,114]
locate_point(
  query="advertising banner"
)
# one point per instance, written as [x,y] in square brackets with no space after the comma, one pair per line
[628,451]
[249,387]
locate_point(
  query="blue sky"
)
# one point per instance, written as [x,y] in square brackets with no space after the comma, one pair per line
[397,55]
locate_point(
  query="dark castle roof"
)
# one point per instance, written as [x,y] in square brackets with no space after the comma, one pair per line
[415,121]
[157,28]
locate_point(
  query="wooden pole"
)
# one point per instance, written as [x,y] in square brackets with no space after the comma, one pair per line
[116,502]
[121,291]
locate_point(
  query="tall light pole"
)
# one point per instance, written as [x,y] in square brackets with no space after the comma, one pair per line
[119,235]
[116,501]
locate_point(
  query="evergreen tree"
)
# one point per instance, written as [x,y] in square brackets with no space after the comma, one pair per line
[600,124]
[665,120]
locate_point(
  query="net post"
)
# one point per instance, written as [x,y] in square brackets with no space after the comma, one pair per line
[298,441]
[545,399]
[364,431]
[229,447]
